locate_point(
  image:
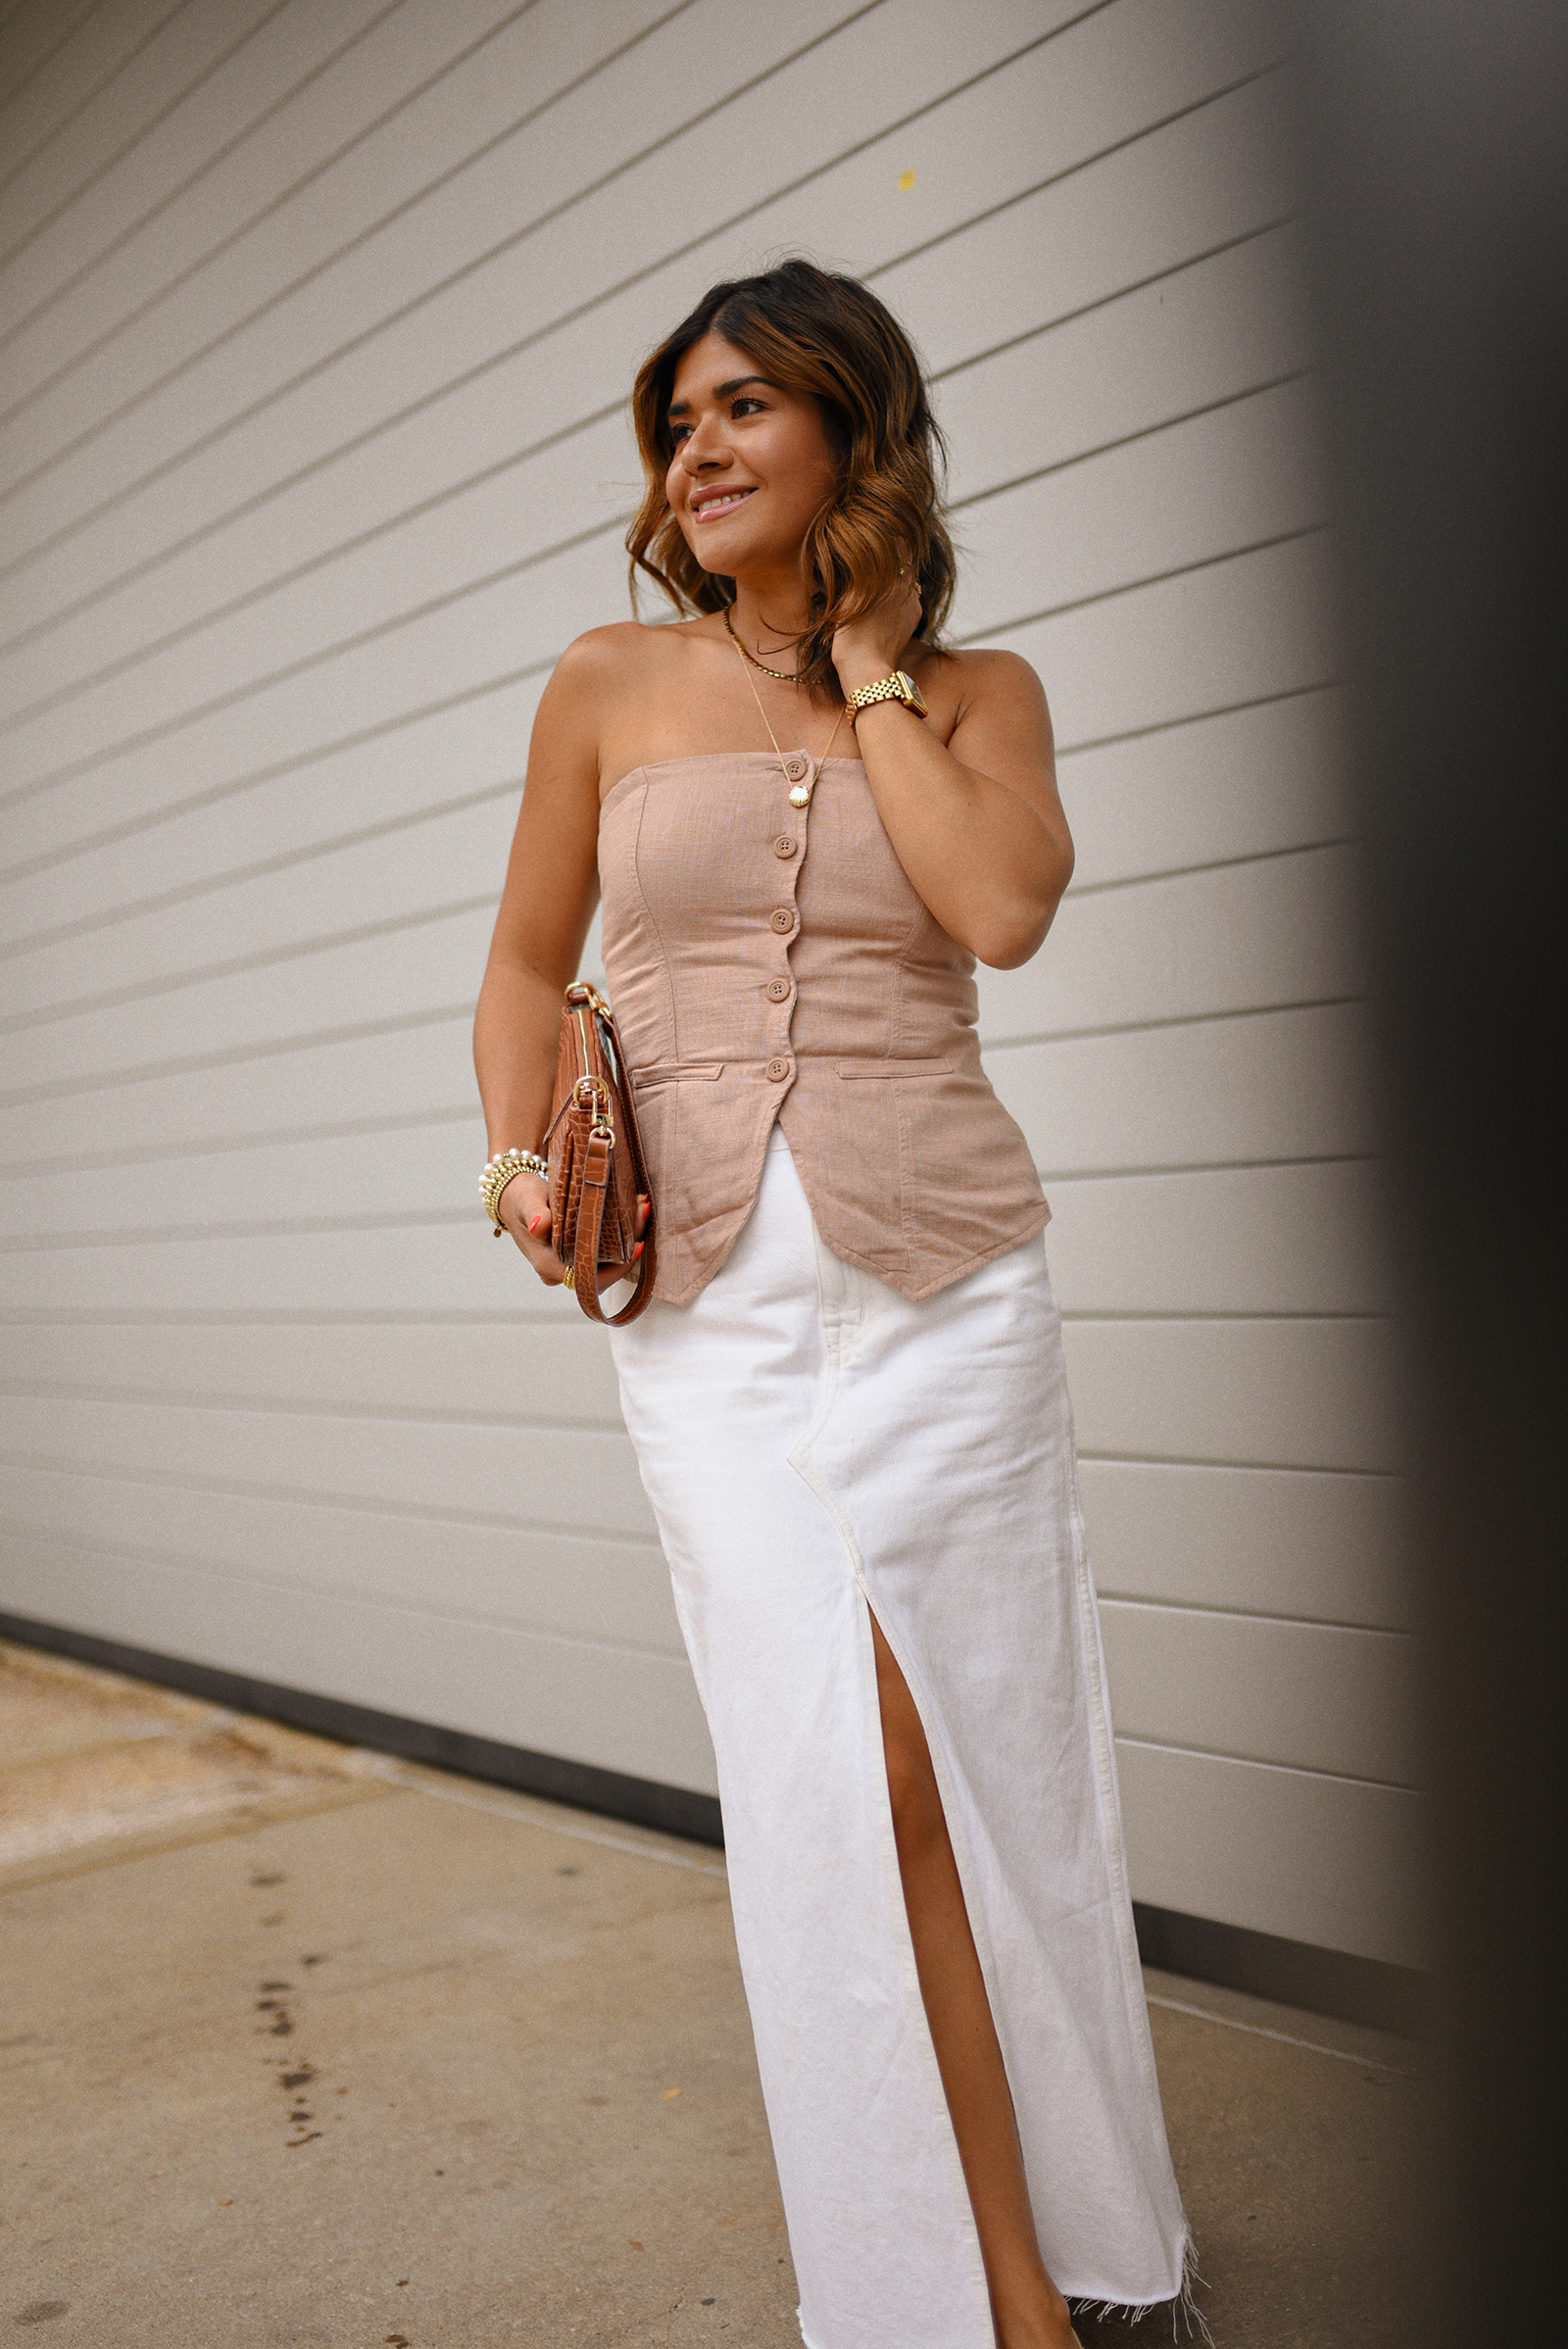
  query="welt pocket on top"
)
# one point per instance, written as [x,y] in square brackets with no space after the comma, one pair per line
[677,1072]
[892,1068]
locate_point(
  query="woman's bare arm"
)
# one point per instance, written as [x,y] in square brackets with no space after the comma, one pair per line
[976,822]
[551,889]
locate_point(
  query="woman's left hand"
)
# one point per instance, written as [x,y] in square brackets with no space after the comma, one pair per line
[870,649]
[968,798]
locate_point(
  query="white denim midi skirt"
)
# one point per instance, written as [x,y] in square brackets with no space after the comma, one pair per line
[818,1448]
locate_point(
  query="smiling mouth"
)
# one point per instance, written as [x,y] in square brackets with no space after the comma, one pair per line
[727,504]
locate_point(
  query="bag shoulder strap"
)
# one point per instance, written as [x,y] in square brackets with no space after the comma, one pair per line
[590,1224]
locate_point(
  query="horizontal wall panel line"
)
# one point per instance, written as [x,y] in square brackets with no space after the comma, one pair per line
[1139,1319]
[319,655]
[253,121]
[1084,745]
[408,203]
[1107,595]
[208,526]
[83,102]
[1265,1761]
[424,506]
[284,1227]
[364,1505]
[603,297]
[225,1144]
[476,261]
[1148,1027]
[1333,1778]
[176,982]
[212,614]
[62,695]
[528,1313]
[460,1317]
[514,1316]
[148,1072]
[410,819]
[195,712]
[458,382]
[1087,310]
[262,1579]
[1214,864]
[992,212]
[1106,1592]
[459,1113]
[289,1317]
[116,1079]
[317,752]
[67,28]
[434,810]
[265,958]
[128,146]
[1179,1459]
[1082,456]
[178,1398]
[300,570]
[145,1072]
[316,659]
[1123,1174]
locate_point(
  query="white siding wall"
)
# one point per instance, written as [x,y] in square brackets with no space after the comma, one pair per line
[318,319]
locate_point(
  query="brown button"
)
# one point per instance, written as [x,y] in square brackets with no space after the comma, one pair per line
[782,919]
[777,1070]
[796,767]
[777,990]
[784,846]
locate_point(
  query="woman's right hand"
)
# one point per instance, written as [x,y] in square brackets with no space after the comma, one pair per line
[524,1208]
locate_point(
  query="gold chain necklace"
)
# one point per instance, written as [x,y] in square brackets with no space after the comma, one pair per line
[785,676]
[800,793]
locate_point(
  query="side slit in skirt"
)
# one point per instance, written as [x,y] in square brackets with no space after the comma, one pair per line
[817,1449]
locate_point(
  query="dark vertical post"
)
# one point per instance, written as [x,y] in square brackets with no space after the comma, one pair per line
[1434,148]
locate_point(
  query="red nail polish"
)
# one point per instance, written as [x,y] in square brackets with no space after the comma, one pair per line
[637,1252]
[534,1221]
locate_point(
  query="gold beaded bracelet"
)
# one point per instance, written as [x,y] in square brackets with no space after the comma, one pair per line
[498,1172]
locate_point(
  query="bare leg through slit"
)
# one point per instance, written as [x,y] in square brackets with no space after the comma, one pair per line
[1026,2305]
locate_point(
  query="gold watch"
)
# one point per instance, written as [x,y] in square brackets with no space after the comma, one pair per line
[899,686]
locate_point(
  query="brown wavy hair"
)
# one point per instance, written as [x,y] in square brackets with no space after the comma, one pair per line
[831,337]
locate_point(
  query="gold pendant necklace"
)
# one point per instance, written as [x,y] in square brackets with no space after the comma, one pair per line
[800,793]
[785,676]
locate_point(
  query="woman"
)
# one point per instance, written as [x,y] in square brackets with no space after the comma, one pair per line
[847,1398]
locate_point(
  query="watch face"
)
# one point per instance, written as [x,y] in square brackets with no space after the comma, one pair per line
[913,698]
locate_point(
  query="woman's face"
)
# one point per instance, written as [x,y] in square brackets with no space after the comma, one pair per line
[751,462]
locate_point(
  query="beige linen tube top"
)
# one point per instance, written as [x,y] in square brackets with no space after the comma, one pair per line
[774,962]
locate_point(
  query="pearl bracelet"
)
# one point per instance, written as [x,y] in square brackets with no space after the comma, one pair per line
[498,1172]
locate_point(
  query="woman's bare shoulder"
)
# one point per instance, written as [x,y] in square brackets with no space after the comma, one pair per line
[617,688]
[621,650]
[981,681]
[984,671]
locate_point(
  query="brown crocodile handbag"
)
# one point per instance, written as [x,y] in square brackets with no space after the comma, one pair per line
[597,1168]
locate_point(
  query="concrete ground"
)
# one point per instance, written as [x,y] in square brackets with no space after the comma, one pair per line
[309,2046]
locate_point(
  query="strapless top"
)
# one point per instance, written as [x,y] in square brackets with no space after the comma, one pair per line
[774,964]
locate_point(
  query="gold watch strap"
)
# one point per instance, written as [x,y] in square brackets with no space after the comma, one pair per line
[899,687]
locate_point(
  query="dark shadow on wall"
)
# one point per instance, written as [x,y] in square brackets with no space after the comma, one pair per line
[1433,145]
